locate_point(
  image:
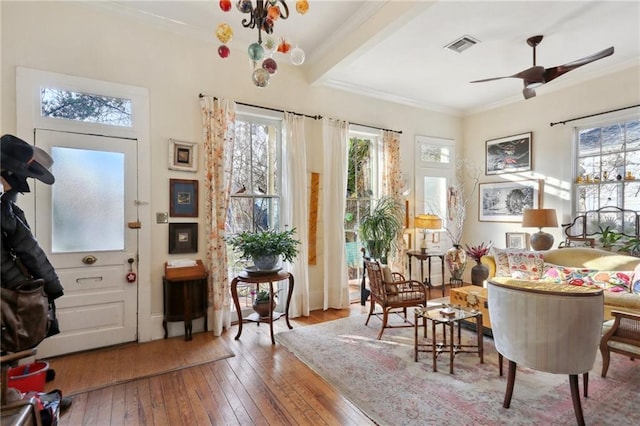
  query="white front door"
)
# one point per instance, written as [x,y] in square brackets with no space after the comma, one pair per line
[86,223]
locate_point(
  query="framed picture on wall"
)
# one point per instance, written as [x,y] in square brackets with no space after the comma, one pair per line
[505,201]
[183,238]
[183,198]
[517,240]
[509,154]
[183,156]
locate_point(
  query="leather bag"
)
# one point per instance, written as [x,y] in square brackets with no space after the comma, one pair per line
[24,310]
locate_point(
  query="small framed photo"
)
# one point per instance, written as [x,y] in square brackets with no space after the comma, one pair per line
[183,238]
[183,156]
[505,201]
[183,201]
[518,240]
[508,155]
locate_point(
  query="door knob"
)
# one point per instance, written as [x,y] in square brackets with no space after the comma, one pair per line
[89,259]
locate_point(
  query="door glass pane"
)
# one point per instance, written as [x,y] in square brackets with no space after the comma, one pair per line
[88,200]
[85,107]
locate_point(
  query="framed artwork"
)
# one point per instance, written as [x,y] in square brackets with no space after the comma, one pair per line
[518,240]
[183,198]
[183,238]
[183,156]
[505,201]
[509,154]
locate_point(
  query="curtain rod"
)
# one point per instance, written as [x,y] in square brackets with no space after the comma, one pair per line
[315,117]
[593,115]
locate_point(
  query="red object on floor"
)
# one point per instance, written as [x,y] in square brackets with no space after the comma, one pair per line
[29,377]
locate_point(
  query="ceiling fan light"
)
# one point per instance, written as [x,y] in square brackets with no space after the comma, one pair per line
[533,84]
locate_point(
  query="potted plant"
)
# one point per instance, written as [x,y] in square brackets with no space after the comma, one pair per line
[381,227]
[479,272]
[631,246]
[265,248]
[609,237]
[263,304]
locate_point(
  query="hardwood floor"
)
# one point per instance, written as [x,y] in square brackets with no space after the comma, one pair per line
[262,384]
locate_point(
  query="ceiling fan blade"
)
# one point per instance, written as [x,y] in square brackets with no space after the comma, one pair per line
[555,72]
[533,74]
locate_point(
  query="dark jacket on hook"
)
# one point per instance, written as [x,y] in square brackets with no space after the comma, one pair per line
[18,240]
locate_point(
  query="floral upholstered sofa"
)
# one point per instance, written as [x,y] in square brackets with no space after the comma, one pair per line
[617,274]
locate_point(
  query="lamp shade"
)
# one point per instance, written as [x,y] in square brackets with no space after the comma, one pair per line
[427,221]
[539,218]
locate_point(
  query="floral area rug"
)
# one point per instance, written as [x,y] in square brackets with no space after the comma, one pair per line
[382,379]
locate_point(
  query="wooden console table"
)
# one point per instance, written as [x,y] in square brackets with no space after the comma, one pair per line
[185,296]
[245,277]
[422,257]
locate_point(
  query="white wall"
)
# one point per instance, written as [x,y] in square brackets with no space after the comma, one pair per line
[552,153]
[73,38]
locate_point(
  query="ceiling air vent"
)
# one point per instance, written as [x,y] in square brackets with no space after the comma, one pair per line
[462,44]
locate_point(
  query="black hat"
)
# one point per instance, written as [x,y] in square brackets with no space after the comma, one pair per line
[25,160]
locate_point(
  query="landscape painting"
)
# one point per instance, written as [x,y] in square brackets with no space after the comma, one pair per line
[505,201]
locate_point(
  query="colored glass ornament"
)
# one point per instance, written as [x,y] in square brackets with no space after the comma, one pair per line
[284,47]
[224,33]
[302,6]
[260,77]
[270,65]
[297,56]
[225,5]
[256,52]
[244,6]
[223,51]
[270,45]
[267,26]
[273,12]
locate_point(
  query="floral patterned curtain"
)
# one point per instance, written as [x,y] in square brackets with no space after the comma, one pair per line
[392,185]
[218,128]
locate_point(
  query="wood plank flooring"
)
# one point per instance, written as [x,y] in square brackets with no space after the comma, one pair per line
[262,384]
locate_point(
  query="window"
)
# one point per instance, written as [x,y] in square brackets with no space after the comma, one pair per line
[85,107]
[363,187]
[608,168]
[254,203]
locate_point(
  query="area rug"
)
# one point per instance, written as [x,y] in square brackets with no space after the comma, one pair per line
[382,379]
[96,369]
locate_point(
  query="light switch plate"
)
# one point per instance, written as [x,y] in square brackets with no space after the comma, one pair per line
[162,217]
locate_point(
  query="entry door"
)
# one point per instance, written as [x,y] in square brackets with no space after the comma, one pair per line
[85,222]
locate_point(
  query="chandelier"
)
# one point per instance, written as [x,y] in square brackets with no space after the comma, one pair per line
[262,15]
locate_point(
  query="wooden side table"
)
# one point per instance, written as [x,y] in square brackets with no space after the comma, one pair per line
[185,296]
[245,277]
[422,257]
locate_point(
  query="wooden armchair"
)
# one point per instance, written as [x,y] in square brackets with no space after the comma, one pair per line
[621,335]
[392,292]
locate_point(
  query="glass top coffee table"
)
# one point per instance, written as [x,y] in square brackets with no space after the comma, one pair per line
[450,317]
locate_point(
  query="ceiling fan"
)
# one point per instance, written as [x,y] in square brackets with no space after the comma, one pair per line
[537,75]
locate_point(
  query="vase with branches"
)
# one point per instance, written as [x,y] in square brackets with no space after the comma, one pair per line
[457,204]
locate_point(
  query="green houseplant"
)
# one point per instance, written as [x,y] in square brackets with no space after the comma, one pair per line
[266,247]
[609,237]
[631,246]
[263,304]
[380,228]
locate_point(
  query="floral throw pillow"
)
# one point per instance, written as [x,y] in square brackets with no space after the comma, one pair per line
[502,260]
[556,273]
[526,265]
[635,283]
[615,281]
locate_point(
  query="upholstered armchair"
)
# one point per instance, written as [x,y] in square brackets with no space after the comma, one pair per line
[546,327]
[620,335]
[393,293]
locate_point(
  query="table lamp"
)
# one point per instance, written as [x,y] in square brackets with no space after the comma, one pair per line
[426,221]
[540,218]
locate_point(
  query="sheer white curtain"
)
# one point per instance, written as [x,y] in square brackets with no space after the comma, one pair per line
[296,211]
[218,128]
[334,184]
